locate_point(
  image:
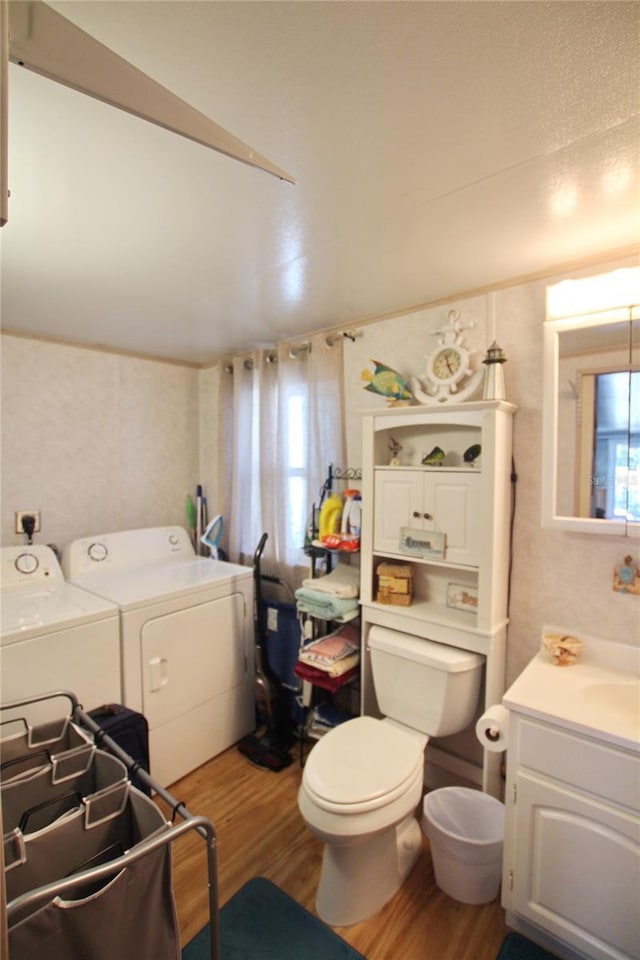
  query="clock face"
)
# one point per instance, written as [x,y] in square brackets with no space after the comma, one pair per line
[447,364]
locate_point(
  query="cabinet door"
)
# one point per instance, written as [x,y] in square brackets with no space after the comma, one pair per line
[576,869]
[398,502]
[452,501]
[436,500]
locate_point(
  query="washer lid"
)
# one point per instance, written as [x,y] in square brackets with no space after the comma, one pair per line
[26,613]
[361,761]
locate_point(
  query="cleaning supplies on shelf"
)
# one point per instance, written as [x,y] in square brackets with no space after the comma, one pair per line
[351,514]
[330,516]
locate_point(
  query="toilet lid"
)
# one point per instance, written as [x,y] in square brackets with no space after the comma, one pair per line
[362,762]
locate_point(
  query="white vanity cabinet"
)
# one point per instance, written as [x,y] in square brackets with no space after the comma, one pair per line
[572,841]
[460,589]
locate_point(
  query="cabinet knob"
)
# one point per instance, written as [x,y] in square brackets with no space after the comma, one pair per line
[416,514]
[427,516]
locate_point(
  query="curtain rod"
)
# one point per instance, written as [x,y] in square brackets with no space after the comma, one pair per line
[298,350]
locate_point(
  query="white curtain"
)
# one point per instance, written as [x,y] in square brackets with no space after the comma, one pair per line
[282,424]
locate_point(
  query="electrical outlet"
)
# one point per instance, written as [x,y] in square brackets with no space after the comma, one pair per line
[27,513]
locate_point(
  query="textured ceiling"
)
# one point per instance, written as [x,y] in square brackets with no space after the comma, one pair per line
[437,147]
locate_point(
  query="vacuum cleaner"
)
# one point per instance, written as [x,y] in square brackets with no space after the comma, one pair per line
[272,740]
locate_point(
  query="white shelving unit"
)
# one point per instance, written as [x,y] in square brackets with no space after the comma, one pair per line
[467,505]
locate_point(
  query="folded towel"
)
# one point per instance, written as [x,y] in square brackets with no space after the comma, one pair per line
[338,668]
[325,606]
[320,678]
[344,581]
[332,648]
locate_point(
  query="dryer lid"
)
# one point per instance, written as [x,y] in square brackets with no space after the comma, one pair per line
[361,761]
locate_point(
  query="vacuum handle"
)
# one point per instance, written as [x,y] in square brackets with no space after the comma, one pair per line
[260,550]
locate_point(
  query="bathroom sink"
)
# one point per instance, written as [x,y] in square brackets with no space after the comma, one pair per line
[622,697]
[599,695]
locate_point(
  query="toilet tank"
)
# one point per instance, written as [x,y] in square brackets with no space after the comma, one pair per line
[424,685]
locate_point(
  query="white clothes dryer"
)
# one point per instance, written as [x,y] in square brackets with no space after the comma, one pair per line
[54,636]
[186,627]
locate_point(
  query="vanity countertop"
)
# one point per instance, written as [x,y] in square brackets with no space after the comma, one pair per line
[598,696]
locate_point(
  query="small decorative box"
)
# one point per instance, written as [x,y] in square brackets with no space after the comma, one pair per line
[395,583]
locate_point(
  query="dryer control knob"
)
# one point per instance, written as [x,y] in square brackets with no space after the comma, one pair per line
[26,563]
[97,552]
[174,539]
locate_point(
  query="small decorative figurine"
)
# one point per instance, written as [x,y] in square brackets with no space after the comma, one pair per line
[471,454]
[447,367]
[563,649]
[494,374]
[394,450]
[433,459]
[388,383]
[626,577]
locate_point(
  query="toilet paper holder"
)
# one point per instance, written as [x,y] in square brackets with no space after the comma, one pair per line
[492,733]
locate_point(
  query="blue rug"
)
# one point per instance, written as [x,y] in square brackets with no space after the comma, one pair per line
[261,922]
[517,947]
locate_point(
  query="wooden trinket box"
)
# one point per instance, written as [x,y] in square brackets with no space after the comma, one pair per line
[395,583]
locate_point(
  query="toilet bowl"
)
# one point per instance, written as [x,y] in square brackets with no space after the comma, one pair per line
[360,789]
[364,779]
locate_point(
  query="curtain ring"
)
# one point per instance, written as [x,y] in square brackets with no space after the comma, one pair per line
[248,364]
[334,338]
[297,351]
[228,368]
[271,357]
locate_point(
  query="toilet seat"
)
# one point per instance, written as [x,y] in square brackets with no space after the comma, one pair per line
[362,765]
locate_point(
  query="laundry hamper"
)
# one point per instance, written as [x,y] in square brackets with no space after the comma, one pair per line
[87,855]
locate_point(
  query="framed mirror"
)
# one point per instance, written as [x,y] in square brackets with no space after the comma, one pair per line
[591,421]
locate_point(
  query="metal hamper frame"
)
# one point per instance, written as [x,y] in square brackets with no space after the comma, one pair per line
[203,826]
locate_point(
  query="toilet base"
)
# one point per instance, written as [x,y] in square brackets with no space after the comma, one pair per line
[358,879]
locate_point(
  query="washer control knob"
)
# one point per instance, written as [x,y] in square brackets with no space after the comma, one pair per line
[174,540]
[26,563]
[97,552]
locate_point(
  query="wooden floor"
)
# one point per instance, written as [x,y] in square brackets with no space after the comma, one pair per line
[261,833]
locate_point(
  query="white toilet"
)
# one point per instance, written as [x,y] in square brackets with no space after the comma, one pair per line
[364,780]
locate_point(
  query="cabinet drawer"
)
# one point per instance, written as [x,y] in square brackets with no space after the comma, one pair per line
[605,772]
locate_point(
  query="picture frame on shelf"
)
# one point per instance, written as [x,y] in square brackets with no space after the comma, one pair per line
[462,597]
[429,544]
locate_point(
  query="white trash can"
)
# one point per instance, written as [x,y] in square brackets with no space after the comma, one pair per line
[466,832]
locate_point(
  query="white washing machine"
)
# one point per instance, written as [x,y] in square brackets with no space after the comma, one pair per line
[54,636]
[186,628]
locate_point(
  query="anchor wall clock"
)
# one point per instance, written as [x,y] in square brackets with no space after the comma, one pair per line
[448,374]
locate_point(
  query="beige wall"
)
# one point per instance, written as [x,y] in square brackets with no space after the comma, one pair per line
[101,442]
[96,441]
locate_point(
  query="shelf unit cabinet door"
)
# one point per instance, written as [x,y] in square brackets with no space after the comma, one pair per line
[565,845]
[398,502]
[453,501]
[444,501]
